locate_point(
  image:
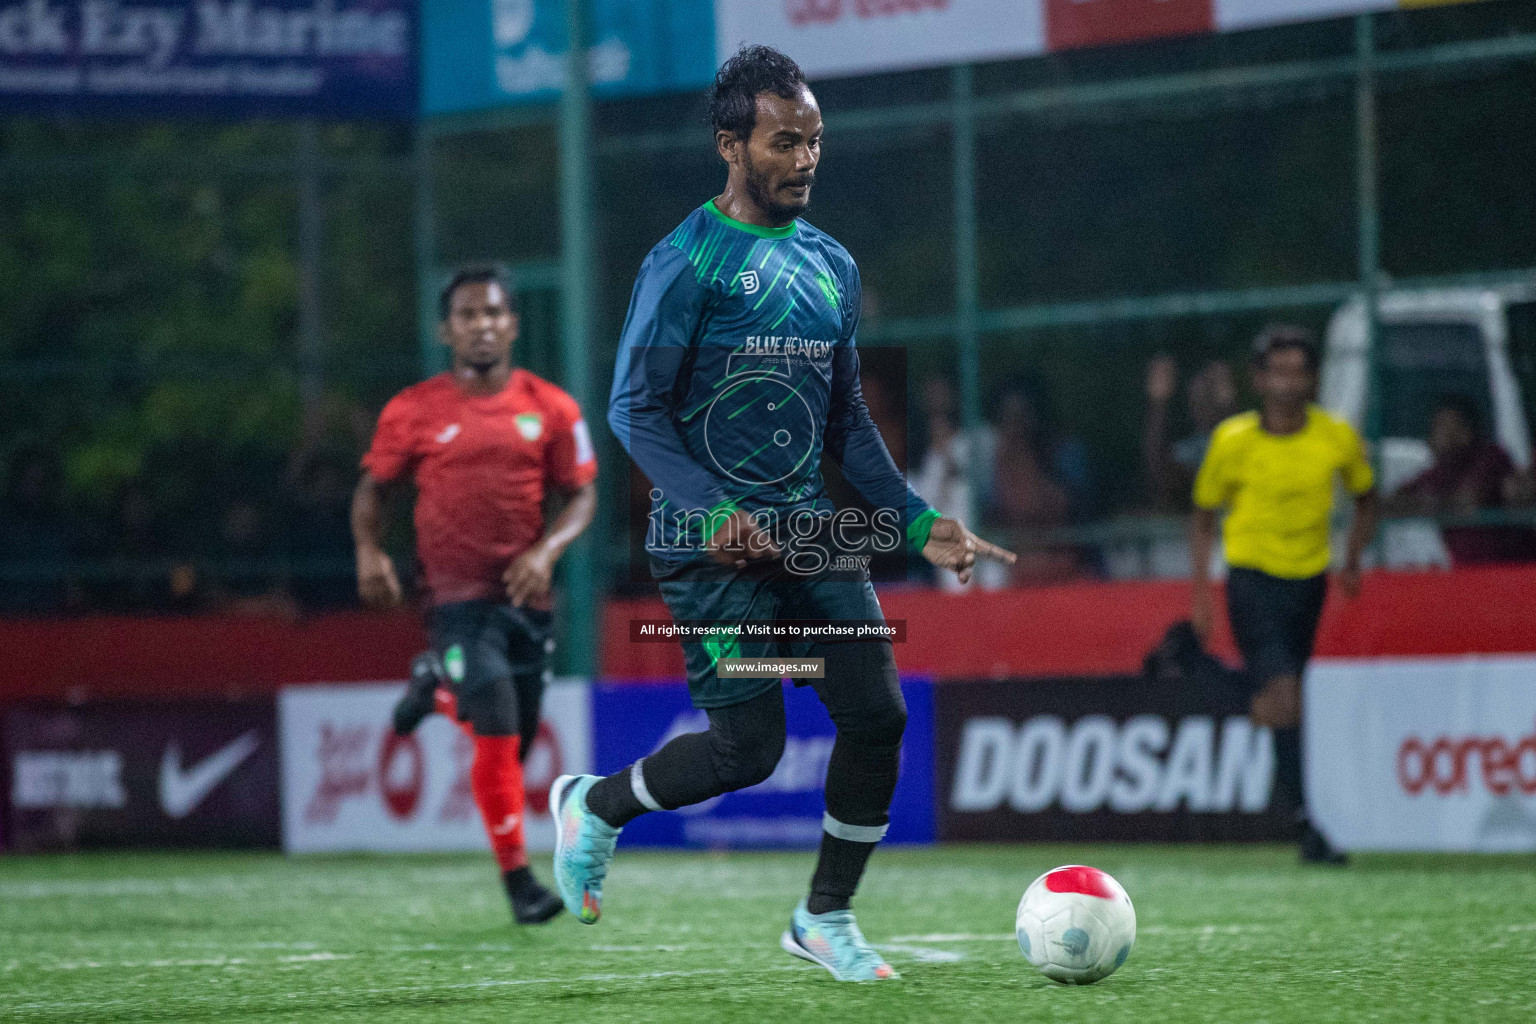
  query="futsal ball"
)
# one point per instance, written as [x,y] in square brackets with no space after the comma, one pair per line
[1076,925]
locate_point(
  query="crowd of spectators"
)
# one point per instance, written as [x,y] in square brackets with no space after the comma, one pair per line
[1029,485]
[283,546]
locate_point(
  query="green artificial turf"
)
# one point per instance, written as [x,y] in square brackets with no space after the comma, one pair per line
[1227,934]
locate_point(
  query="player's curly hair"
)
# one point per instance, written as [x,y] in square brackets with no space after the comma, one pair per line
[753,70]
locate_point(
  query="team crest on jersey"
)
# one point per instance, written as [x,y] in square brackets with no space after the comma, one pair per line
[530,425]
[828,288]
[749,282]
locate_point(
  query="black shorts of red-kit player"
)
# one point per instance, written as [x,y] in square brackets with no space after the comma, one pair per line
[502,664]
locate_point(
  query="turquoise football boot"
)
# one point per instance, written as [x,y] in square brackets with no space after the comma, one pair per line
[834,941]
[584,846]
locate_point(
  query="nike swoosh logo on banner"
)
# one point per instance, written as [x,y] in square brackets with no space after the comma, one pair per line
[507,825]
[181,791]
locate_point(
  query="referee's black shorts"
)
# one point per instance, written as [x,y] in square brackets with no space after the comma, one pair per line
[1274,621]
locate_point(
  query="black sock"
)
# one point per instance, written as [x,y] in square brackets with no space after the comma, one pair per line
[520,882]
[679,774]
[839,867]
[740,748]
[1288,786]
[613,799]
[861,779]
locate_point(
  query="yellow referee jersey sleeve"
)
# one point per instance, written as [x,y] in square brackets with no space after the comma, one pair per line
[1278,489]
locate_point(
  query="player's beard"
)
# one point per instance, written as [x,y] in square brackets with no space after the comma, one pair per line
[760,190]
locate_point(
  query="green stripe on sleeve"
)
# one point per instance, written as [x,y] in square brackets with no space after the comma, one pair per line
[919,529]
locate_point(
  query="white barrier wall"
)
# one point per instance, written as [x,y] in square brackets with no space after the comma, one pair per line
[350,784]
[1423,753]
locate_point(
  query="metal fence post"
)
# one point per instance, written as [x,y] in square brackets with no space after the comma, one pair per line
[967,299]
[1369,215]
[578,281]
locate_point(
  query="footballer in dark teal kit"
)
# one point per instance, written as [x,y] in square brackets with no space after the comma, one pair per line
[737,374]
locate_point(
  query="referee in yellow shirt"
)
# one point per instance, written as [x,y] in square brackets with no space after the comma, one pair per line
[1274,473]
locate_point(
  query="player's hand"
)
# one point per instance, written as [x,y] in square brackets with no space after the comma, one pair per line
[530,574]
[739,540]
[951,546]
[377,583]
[1202,613]
[1349,581]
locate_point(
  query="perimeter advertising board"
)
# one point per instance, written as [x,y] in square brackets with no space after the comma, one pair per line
[349,783]
[632,721]
[1109,759]
[115,774]
[1423,753]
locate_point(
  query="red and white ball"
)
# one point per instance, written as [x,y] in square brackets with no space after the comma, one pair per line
[1076,924]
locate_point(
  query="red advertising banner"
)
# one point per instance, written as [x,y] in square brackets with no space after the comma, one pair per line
[1080,629]
[1100,629]
[1076,23]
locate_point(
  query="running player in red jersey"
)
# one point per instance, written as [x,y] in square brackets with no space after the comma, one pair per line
[484,444]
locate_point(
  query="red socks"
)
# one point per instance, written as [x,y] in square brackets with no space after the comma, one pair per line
[497,779]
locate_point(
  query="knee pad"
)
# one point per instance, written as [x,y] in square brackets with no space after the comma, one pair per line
[883,727]
[746,760]
[865,700]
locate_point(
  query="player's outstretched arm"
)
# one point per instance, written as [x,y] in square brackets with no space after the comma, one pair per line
[952,546]
[377,583]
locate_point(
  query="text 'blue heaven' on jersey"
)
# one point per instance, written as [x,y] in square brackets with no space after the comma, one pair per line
[737,369]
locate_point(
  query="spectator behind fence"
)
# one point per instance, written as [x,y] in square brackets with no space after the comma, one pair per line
[1038,484]
[943,474]
[1471,474]
[1211,397]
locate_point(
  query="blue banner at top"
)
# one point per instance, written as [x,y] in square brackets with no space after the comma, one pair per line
[478,54]
[224,58]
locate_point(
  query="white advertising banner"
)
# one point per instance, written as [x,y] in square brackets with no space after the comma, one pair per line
[849,37]
[1423,753]
[1234,15]
[349,783]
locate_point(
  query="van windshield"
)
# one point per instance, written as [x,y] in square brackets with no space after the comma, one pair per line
[1423,363]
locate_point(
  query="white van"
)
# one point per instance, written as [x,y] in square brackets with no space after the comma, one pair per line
[1479,343]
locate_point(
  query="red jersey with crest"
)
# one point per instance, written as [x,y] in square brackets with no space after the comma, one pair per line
[482,466]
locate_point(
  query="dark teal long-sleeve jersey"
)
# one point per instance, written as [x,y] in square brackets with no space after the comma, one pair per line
[737,370]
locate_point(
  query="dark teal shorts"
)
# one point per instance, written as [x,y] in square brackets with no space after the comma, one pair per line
[762,592]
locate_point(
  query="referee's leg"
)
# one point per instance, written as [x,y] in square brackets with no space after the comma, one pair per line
[1275,623]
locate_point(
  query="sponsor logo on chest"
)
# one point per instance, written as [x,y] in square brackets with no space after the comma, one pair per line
[530,425]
